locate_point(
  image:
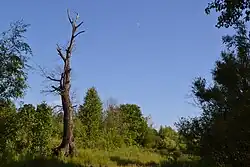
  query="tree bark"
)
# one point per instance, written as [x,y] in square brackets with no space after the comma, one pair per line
[67,143]
[68,138]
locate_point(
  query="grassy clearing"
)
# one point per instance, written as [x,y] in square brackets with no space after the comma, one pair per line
[128,157]
[120,157]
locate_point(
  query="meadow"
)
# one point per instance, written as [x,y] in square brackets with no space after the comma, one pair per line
[123,157]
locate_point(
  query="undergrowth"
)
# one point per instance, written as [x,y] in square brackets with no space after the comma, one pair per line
[128,157]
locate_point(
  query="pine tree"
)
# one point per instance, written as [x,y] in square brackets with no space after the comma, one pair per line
[90,114]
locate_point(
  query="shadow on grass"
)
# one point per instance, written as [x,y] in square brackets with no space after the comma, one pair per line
[178,164]
[127,162]
[120,162]
[42,163]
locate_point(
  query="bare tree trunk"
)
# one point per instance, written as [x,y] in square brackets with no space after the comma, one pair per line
[67,143]
[68,139]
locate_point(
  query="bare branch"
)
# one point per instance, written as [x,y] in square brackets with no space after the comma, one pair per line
[73,34]
[53,79]
[48,76]
[70,20]
[42,70]
[49,91]
[70,47]
[54,88]
[59,50]
[56,106]
[73,97]
[78,33]
[79,24]
[57,109]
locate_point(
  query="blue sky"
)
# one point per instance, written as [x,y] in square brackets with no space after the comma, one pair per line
[151,65]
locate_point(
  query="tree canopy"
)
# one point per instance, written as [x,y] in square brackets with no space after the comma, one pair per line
[14,53]
[231,11]
[221,132]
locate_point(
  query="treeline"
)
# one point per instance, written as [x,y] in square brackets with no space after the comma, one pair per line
[221,133]
[33,130]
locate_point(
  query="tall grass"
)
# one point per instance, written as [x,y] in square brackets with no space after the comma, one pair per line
[129,157]
[121,157]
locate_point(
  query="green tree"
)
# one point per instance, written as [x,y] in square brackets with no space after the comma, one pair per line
[222,130]
[26,132]
[43,128]
[14,54]
[90,114]
[191,129]
[113,128]
[125,125]
[34,129]
[151,138]
[169,138]
[7,120]
[231,11]
[135,125]
[57,124]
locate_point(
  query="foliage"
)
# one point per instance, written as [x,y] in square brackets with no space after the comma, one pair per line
[151,138]
[90,114]
[168,138]
[134,124]
[42,127]
[221,131]
[26,132]
[33,131]
[14,53]
[7,115]
[231,11]
[57,124]
[113,128]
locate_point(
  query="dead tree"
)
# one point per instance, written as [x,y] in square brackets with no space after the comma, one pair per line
[62,87]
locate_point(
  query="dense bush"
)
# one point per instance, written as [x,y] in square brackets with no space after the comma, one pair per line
[26,132]
[31,132]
